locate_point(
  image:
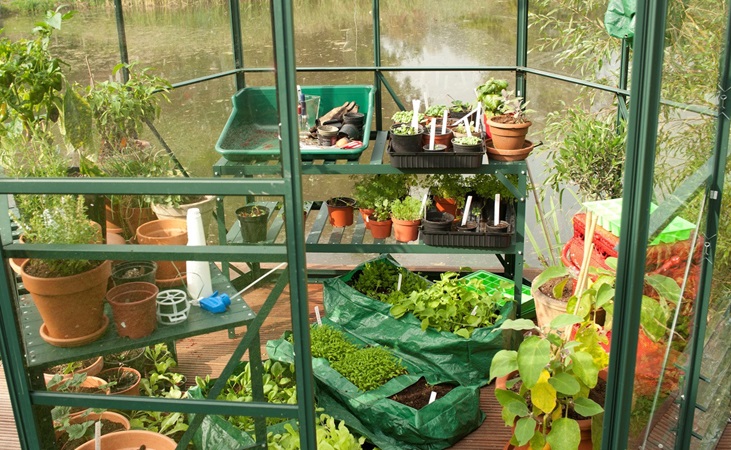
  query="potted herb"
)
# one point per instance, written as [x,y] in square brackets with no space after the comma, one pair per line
[133,271]
[546,381]
[340,211]
[369,190]
[71,432]
[489,95]
[405,117]
[122,380]
[442,141]
[253,220]
[437,221]
[68,293]
[435,111]
[459,109]
[177,206]
[379,222]
[467,144]
[509,128]
[449,191]
[405,139]
[90,367]
[461,130]
[406,216]
[132,439]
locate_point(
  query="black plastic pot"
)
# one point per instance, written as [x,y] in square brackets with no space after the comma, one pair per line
[133,271]
[437,221]
[253,227]
[459,148]
[502,227]
[469,227]
[406,143]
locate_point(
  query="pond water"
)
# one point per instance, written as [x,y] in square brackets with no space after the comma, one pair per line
[186,43]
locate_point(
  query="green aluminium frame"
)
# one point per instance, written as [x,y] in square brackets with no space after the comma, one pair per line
[31,406]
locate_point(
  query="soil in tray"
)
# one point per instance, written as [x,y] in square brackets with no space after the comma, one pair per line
[242,136]
[568,289]
[417,395]
[107,427]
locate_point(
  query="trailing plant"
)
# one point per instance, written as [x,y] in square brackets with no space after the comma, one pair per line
[369,368]
[556,375]
[451,304]
[468,140]
[379,280]
[330,435]
[406,209]
[330,343]
[489,94]
[382,211]
[405,116]
[405,130]
[368,190]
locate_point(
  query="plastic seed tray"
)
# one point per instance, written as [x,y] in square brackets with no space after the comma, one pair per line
[492,283]
[467,239]
[438,160]
[609,213]
[252,129]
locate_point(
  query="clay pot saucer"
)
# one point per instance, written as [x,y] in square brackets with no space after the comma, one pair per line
[509,155]
[75,342]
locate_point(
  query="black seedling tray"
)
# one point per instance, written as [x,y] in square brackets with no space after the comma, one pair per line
[438,160]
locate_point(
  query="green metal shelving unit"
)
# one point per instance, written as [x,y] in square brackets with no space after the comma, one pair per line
[32,404]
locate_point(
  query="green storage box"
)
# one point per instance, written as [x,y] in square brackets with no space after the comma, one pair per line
[252,129]
[609,214]
[492,283]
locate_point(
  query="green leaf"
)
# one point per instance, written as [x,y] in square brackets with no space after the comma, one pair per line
[77,123]
[398,310]
[534,354]
[524,430]
[518,325]
[504,362]
[587,407]
[550,273]
[564,383]
[558,288]
[463,332]
[585,368]
[504,397]
[604,295]
[653,318]
[564,320]
[517,408]
[565,434]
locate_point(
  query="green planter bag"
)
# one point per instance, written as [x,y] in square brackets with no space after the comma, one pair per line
[388,424]
[444,354]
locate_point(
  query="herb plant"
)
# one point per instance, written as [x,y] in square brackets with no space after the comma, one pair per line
[330,434]
[330,343]
[405,116]
[379,280]
[513,107]
[451,304]
[462,129]
[368,190]
[468,140]
[458,106]
[406,209]
[435,110]
[405,130]
[369,368]
[382,211]
[489,94]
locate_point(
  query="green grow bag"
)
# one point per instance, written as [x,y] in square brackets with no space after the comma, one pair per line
[448,356]
[388,424]
[253,126]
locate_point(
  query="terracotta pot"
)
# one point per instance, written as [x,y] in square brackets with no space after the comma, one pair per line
[106,415]
[206,207]
[509,155]
[547,308]
[508,136]
[364,214]
[133,439]
[439,139]
[380,230]
[166,232]
[132,218]
[90,370]
[448,205]
[340,211]
[89,382]
[71,307]
[406,230]
[132,390]
[134,308]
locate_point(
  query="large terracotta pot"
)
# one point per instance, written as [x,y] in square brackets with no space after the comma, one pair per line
[72,307]
[166,232]
[508,136]
[206,207]
[405,230]
[106,415]
[134,308]
[133,439]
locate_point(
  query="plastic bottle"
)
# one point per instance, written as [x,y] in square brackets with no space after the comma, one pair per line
[198,272]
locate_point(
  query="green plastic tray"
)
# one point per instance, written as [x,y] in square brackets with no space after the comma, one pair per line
[253,126]
[609,213]
[492,282]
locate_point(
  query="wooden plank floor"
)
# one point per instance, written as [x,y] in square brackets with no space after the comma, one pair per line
[208,354]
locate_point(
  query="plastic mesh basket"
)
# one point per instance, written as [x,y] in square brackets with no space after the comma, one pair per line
[492,283]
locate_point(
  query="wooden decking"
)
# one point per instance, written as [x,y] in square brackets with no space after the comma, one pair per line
[207,354]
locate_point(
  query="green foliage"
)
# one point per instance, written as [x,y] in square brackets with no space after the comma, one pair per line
[379,280]
[451,304]
[468,140]
[406,209]
[405,130]
[330,435]
[167,423]
[382,211]
[435,111]
[489,95]
[458,106]
[330,343]
[462,129]
[159,380]
[587,150]
[556,374]
[121,109]
[369,190]
[405,116]
[448,185]
[513,107]
[369,368]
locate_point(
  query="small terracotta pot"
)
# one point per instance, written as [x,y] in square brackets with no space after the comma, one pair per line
[340,210]
[439,139]
[508,136]
[132,390]
[406,230]
[130,439]
[166,232]
[380,230]
[365,213]
[448,205]
[134,308]
[90,371]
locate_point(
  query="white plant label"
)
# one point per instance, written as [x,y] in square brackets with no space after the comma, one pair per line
[400,277]
[474,311]
[317,315]
[432,397]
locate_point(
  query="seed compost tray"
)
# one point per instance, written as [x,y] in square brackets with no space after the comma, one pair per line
[252,129]
[467,239]
[492,283]
[438,160]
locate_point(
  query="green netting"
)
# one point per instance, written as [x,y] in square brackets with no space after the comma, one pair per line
[387,423]
[215,432]
[440,354]
[620,18]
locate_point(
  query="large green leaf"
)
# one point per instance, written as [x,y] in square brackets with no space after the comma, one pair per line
[77,124]
[653,318]
[504,362]
[564,320]
[564,383]
[587,407]
[585,368]
[505,397]
[665,286]
[518,325]
[534,354]
[550,273]
[565,434]
[525,428]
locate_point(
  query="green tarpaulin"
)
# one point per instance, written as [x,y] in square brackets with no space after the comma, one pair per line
[620,18]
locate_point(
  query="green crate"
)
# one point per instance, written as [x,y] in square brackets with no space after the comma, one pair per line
[609,213]
[492,282]
[252,129]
